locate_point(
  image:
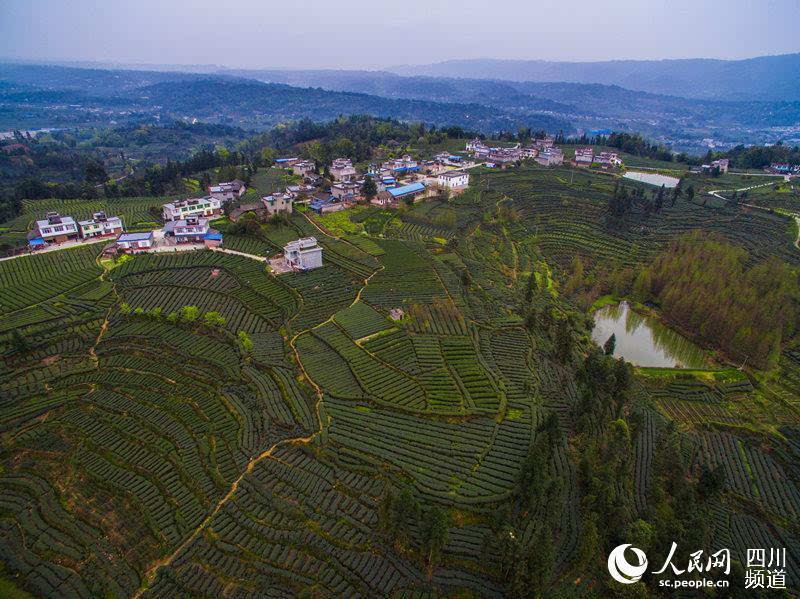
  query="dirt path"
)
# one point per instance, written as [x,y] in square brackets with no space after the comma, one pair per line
[150,575]
[716,192]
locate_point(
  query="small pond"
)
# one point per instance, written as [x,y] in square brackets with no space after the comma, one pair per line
[644,341]
[652,179]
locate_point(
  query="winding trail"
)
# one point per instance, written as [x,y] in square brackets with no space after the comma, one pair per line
[716,192]
[794,215]
[150,575]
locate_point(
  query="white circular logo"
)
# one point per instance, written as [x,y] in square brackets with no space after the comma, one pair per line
[621,569]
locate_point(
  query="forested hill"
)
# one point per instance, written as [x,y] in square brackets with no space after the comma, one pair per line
[50,96]
[773,78]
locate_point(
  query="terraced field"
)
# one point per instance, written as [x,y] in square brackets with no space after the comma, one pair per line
[187,425]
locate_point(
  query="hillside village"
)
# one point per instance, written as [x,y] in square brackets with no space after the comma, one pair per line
[339,185]
[188,222]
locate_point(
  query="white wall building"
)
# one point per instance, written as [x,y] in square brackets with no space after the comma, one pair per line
[228,191]
[303,254]
[135,242]
[56,228]
[278,202]
[100,225]
[188,230]
[342,169]
[453,179]
[207,206]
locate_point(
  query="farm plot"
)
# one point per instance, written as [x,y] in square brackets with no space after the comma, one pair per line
[394,347]
[751,473]
[359,320]
[324,291]
[406,278]
[376,378]
[295,525]
[261,293]
[440,318]
[447,461]
[32,279]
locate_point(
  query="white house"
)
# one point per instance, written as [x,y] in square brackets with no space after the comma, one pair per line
[278,202]
[207,206]
[340,190]
[453,179]
[303,168]
[135,242]
[228,191]
[550,157]
[56,228]
[584,156]
[722,164]
[607,159]
[342,169]
[100,225]
[187,230]
[303,254]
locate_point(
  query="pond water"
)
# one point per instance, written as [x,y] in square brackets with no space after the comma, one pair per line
[644,341]
[652,179]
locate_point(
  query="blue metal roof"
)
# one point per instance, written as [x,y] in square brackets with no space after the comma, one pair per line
[216,236]
[407,189]
[37,241]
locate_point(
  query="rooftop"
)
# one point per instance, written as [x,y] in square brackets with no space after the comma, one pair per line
[304,243]
[407,189]
[135,236]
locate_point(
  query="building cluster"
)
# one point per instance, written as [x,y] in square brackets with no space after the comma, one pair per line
[55,228]
[585,156]
[541,150]
[185,221]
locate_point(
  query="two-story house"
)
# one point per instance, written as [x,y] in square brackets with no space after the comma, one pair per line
[56,228]
[550,157]
[187,230]
[304,167]
[342,169]
[453,179]
[278,202]
[227,191]
[303,254]
[207,206]
[584,156]
[100,225]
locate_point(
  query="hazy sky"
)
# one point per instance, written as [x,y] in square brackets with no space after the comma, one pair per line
[379,33]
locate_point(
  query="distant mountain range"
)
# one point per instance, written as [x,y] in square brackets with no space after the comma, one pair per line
[765,78]
[38,96]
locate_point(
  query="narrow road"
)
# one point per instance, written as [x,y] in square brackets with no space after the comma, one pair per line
[61,246]
[796,217]
[716,192]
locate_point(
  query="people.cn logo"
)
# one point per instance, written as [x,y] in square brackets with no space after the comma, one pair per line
[621,569]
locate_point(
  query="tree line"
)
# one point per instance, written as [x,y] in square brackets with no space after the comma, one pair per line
[710,289]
